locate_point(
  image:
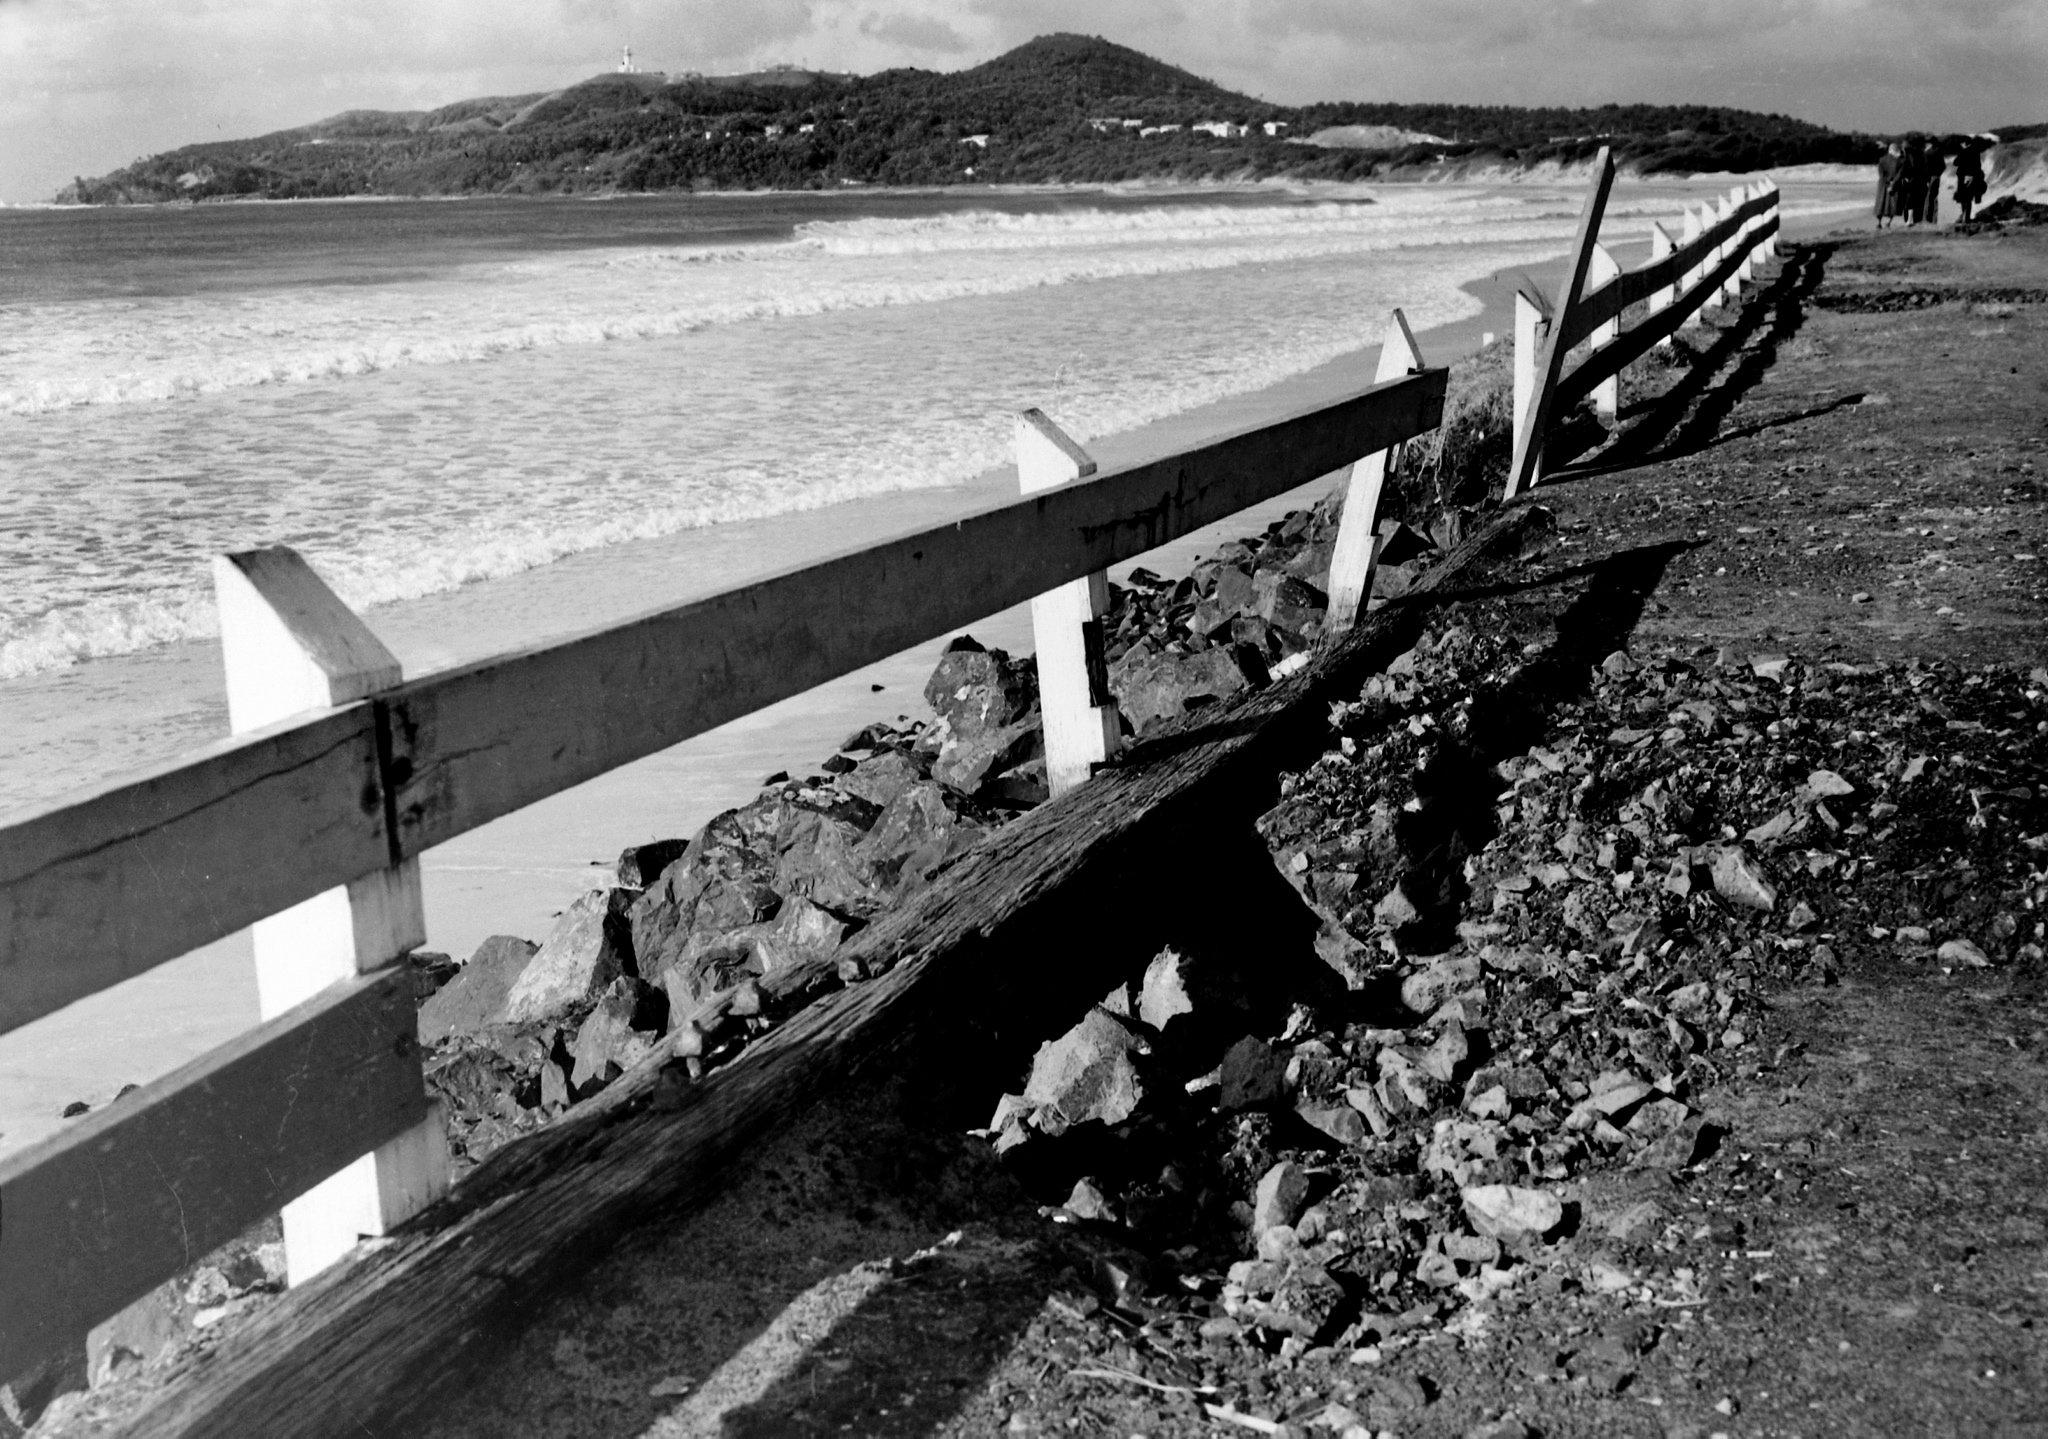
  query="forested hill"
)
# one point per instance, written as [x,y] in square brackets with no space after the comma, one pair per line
[1060,108]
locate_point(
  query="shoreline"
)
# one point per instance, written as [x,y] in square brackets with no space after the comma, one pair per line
[515,874]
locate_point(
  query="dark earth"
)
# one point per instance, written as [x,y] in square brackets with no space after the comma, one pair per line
[1645,1034]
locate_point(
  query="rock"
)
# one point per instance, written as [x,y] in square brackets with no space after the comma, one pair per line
[1426,990]
[1769,666]
[1152,687]
[1442,1060]
[915,838]
[1088,1202]
[1826,784]
[723,881]
[879,778]
[590,946]
[618,1033]
[1303,1303]
[1345,1125]
[431,970]
[1252,1076]
[1164,994]
[966,761]
[1962,952]
[1368,1105]
[1738,880]
[1281,1196]
[1395,909]
[975,690]
[1088,1073]
[1020,788]
[641,865]
[476,996]
[1618,664]
[1504,1211]
[1287,602]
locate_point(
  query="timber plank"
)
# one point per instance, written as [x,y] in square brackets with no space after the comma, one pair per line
[1599,306]
[372,1342]
[481,741]
[124,877]
[1640,338]
[95,1217]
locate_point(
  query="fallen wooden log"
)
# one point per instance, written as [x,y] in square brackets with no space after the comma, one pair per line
[380,1338]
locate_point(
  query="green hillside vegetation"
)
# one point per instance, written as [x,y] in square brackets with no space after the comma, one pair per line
[1066,108]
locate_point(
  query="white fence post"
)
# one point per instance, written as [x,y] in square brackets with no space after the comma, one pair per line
[1660,248]
[1079,713]
[1357,551]
[1689,232]
[1731,288]
[1606,394]
[1745,273]
[1530,324]
[1770,187]
[290,645]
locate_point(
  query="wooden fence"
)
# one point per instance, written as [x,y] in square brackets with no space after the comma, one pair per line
[309,822]
[1715,254]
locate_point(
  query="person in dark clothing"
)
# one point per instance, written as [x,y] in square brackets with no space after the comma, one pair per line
[1969,179]
[1885,206]
[1932,166]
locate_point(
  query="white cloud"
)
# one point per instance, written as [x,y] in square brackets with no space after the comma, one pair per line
[92,84]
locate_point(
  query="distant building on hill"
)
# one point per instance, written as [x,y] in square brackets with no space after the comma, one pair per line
[626,65]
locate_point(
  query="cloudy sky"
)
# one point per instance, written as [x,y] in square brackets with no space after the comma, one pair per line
[88,85]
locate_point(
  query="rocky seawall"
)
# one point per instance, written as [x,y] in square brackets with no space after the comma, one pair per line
[683,947]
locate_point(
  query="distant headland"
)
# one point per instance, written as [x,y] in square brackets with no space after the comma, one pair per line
[1060,108]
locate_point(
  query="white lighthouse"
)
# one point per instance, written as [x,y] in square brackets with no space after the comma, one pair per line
[626,65]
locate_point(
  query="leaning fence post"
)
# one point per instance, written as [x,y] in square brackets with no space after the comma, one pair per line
[1531,424]
[1078,712]
[1532,323]
[290,645]
[1357,552]
[1771,240]
[1606,394]
[1660,248]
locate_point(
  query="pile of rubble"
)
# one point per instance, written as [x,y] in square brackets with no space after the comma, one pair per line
[1554,905]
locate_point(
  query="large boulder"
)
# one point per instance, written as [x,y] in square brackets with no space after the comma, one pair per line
[1287,602]
[476,997]
[1153,686]
[880,777]
[618,1033]
[707,962]
[640,865]
[966,762]
[974,690]
[915,838]
[590,946]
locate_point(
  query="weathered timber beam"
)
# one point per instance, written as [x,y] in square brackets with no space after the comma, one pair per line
[120,879]
[381,1339]
[93,1218]
[487,739]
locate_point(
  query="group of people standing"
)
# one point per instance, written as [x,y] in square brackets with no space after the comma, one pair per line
[1909,177]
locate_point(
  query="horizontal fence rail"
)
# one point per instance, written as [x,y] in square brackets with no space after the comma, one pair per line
[1706,268]
[314,824]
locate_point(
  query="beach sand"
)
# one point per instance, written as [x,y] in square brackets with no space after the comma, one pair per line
[514,875]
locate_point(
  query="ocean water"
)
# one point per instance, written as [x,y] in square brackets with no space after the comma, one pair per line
[492,398]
